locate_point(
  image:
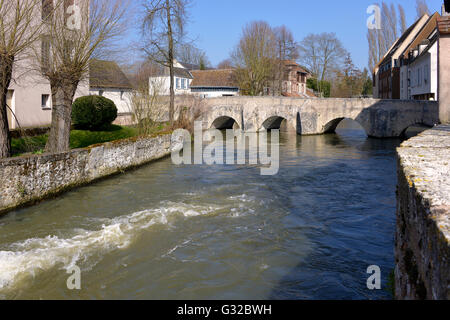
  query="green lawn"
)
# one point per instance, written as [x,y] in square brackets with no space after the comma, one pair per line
[78,139]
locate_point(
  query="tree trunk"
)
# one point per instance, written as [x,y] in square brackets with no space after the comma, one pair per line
[171,57]
[62,98]
[6,65]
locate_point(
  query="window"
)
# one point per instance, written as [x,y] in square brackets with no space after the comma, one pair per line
[178,83]
[45,54]
[121,95]
[425,74]
[183,83]
[47,9]
[45,101]
[100,93]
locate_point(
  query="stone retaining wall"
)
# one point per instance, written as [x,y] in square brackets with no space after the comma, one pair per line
[24,180]
[423,217]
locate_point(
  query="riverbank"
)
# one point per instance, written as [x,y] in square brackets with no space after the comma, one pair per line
[29,179]
[423,216]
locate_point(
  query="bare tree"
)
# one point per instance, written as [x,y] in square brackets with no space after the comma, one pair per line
[421,8]
[20,27]
[188,53]
[255,57]
[163,28]
[380,40]
[73,34]
[322,54]
[225,64]
[287,47]
[402,16]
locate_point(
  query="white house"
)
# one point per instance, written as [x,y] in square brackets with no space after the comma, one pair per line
[108,80]
[160,81]
[29,97]
[419,76]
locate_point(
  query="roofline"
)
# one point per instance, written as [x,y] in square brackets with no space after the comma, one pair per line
[437,15]
[211,87]
[109,87]
[410,29]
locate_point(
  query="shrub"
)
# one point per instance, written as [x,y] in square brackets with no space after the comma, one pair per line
[93,112]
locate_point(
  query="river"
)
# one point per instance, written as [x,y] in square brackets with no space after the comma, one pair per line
[216,232]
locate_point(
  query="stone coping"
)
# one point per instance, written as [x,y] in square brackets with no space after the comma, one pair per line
[426,163]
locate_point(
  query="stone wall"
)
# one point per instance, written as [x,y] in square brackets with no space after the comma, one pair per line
[28,179]
[423,217]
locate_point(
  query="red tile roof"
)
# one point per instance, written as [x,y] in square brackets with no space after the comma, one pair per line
[214,78]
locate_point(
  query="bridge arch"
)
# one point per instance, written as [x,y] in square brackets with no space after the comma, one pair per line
[331,126]
[403,133]
[225,122]
[274,122]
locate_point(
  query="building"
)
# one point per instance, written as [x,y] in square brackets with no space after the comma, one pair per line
[160,81]
[214,83]
[108,80]
[444,64]
[387,71]
[29,95]
[419,76]
[294,80]
[418,64]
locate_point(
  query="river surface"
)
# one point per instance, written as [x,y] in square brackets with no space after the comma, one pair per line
[216,232]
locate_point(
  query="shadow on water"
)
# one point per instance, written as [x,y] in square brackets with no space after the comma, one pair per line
[350,219]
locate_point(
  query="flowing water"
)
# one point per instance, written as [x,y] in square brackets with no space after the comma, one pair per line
[216,232]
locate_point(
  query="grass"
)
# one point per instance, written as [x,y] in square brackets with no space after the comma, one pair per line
[78,139]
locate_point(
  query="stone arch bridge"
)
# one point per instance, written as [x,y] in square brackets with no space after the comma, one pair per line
[379,118]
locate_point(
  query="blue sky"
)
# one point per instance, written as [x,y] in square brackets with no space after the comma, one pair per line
[217,24]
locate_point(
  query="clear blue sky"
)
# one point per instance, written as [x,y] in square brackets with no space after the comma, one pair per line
[217,24]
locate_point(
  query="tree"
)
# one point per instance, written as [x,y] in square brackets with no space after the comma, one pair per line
[287,49]
[73,34]
[286,45]
[380,40]
[164,28]
[20,28]
[322,53]
[254,57]
[350,81]
[314,85]
[188,53]
[421,8]
[225,64]
[367,89]
[402,16]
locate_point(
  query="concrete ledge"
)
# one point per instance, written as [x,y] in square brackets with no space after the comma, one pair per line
[423,217]
[29,179]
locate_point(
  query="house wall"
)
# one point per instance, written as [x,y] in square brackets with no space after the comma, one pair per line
[120,97]
[427,65]
[444,78]
[28,86]
[404,83]
[162,85]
